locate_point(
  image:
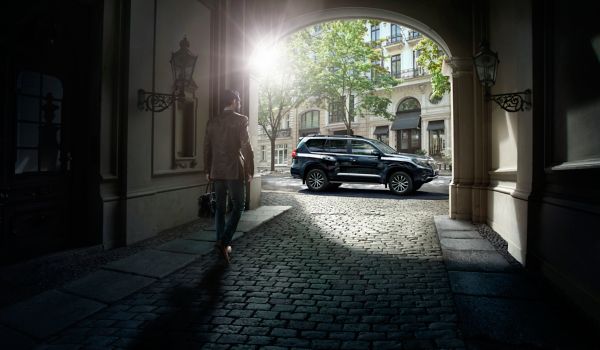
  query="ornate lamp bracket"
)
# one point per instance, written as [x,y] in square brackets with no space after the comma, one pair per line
[512,102]
[155,101]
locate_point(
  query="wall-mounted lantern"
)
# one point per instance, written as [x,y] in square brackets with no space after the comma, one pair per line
[183,63]
[486,64]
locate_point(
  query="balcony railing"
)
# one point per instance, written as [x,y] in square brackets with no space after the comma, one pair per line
[412,35]
[393,41]
[409,73]
[284,132]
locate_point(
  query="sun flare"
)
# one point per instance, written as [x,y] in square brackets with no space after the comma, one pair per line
[264,58]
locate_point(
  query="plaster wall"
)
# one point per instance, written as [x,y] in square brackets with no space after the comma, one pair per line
[511,133]
[161,194]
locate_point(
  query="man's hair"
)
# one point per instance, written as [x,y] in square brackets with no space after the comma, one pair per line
[229,96]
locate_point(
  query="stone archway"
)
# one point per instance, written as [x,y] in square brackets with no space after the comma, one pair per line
[453,32]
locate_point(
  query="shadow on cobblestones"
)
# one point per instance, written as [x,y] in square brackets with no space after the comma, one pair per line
[334,272]
[188,305]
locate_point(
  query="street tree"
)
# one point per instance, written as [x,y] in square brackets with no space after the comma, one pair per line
[431,59]
[344,71]
[280,91]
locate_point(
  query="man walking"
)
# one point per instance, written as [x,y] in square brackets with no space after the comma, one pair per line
[229,163]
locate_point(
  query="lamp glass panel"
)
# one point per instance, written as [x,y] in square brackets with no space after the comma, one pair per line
[486,63]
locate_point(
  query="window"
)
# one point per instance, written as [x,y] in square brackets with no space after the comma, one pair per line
[362,148]
[409,104]
[316,145]
[418,70]
[409,140]
[336,112]
[281,152]
[395,66]
[309,120]
[375,32]
[437,142]
[263,153]
[404,136]
[39,116]
[413,35]
[395,34]
[415,141]
[337,146]
[284,123]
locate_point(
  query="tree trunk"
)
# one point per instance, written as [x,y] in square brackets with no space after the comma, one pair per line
[273,154]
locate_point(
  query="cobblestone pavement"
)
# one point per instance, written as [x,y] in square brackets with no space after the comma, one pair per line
[333,272]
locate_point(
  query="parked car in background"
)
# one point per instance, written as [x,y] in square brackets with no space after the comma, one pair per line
[324,162]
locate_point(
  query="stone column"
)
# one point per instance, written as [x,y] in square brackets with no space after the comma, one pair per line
[463,141]
[424,136]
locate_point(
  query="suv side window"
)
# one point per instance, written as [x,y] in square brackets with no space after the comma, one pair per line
[316,145]
[337,146]
[362,148]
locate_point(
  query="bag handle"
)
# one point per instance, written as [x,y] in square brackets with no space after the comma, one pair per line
[209,185]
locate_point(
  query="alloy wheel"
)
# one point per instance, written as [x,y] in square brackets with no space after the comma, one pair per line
[399,183]
[316,180]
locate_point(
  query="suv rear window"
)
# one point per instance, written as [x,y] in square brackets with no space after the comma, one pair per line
[337,146]
[316,145]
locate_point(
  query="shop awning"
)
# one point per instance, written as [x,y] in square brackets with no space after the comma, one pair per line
[407,120]
[381,130]
[436,125]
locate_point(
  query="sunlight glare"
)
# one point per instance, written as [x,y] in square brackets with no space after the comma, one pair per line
[265,57]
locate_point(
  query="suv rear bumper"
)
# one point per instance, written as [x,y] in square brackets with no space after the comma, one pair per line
[296,172]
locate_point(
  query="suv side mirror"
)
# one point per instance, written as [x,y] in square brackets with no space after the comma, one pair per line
[376,153]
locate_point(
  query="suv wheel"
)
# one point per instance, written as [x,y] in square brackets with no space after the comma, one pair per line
[316,180]
[400,183]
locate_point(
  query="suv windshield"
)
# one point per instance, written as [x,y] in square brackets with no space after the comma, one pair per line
[383,147]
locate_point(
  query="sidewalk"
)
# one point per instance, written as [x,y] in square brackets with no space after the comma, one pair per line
[28,322]
[499,305]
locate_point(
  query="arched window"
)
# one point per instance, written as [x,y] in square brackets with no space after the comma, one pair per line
[407,126]
[309,120]
[408,104]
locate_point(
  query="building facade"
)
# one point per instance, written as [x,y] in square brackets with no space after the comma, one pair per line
[421,124]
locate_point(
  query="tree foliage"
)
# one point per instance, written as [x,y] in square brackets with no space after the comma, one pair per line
[431,58]
[338,67]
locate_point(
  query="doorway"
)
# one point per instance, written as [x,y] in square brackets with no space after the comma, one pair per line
[49,131]
[408,126]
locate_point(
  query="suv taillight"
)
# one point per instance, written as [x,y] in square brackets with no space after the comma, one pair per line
[294,153]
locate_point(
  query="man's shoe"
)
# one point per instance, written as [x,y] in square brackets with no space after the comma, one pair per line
[225,254]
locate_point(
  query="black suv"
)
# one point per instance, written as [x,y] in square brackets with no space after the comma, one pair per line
[324,162]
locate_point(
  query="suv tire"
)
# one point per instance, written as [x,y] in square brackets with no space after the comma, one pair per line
[316,180]
[400,183]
